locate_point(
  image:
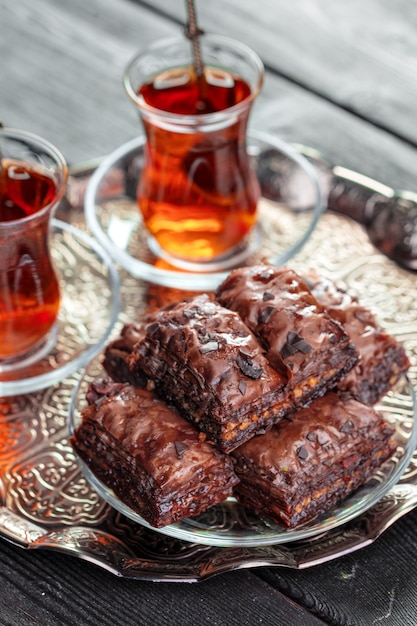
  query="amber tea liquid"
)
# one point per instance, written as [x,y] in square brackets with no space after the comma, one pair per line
[29,289]
[197,194]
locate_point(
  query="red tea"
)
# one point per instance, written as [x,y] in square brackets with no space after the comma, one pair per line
[197,194]
[180,91]
[29,289]
[23,190]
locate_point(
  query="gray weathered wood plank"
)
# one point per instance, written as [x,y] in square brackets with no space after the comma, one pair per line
[360,55]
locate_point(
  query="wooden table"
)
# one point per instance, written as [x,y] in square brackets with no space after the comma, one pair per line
[341,78]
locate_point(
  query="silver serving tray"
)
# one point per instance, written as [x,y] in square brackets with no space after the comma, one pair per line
[45,503]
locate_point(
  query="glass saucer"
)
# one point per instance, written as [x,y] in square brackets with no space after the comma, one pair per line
[90,304]
[229,524]
[289,210]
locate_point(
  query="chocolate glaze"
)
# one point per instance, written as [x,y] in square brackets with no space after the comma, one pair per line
[116,353]
[153,459]
[293,327]
[382,360]
[305,464]
[202,358]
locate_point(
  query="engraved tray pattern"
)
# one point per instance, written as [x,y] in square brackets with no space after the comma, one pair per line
[46,503]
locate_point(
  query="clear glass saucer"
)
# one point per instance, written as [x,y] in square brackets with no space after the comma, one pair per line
[289,210]
[90,304]
[229,524]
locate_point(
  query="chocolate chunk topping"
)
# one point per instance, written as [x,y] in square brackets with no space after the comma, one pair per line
[347,427]
[311,436]
[180,448]
[267,296]
[265,314]
[302,453]
[193,312]
[246,366]
[294,344]
[102,388]
[242,387]
[152,328]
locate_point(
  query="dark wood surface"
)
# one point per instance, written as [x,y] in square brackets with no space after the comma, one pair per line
[342,78]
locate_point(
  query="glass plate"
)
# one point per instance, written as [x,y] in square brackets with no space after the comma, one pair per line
[289,210]
[230,524]
[90,305]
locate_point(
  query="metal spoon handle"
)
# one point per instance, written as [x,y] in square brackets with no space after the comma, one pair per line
[192,32]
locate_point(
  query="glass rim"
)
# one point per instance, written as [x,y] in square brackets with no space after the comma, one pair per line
[55,154]
[204,118]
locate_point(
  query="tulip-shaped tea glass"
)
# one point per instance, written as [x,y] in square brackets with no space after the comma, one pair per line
[198,192]
[32,182]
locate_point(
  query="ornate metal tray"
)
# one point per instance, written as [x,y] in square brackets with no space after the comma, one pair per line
[46,502]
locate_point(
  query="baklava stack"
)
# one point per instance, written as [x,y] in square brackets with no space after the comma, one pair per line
[305,465]
[201,358]
[246,392]
[292,327]
[382,360]
[154,460]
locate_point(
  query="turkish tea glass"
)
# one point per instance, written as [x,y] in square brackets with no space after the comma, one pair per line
[33,176]
[198,191]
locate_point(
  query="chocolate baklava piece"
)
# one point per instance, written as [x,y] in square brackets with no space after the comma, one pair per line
[382,360]
[117,352]
[202,359]
[303,466]
[297,333]
[155,461]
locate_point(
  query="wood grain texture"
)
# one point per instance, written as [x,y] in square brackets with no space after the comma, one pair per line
[373,586]
[63,80]
[63,72]
[46,589]
[360,55]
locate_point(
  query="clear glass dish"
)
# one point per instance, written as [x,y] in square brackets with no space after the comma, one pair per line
[289,210]
[229,524]
[90,292]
